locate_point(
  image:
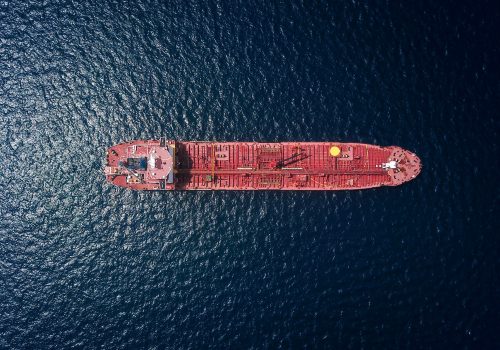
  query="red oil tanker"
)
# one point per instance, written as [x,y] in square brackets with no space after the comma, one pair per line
[172,165]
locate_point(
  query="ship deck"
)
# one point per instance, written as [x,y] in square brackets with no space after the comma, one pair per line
[168,165]
[308,166]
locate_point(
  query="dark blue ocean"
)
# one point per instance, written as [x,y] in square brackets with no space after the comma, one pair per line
[85,265]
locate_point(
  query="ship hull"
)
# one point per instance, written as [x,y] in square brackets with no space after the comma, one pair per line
[313,166]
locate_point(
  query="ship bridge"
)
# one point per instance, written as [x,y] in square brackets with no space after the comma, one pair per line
[140,165]
[160,164]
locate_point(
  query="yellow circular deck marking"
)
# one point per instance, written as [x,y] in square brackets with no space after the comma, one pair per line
[334,151]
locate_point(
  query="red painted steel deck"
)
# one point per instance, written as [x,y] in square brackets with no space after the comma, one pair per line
[257,166]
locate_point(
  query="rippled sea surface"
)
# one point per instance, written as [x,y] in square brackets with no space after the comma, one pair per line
[87,265]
